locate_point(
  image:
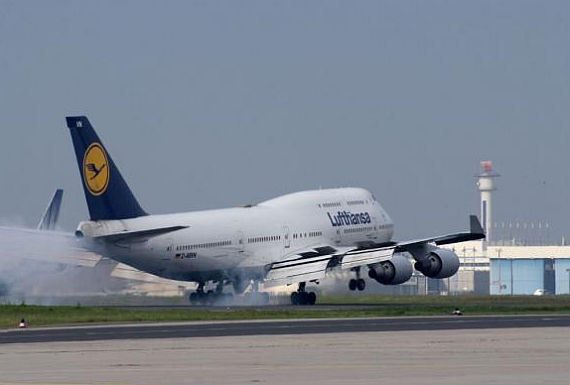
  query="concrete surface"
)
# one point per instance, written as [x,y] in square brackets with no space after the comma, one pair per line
[275,327]
[482,356]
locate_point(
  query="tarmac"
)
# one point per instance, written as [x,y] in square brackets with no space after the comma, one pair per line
[516,355]
[277,327]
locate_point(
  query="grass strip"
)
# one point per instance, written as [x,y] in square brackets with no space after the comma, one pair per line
[372,306]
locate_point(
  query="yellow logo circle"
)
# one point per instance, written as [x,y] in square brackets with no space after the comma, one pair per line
[95,169]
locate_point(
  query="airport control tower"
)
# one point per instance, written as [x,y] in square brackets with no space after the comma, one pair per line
[486,186]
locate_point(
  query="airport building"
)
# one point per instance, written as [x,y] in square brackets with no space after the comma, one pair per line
[517,265]
[511,269]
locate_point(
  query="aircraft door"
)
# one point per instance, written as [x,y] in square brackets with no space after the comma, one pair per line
[337,237]
[286,237]
[170,252]
[239,241]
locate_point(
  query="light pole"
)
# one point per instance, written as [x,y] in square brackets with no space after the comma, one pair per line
[512,279]
[500,278]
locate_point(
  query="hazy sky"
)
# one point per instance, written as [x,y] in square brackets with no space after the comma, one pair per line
[207,104]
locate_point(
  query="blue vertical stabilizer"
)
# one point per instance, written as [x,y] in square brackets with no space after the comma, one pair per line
[108,195]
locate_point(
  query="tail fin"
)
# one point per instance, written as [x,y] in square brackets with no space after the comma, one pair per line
[106,192]
[475,225]
[49,219]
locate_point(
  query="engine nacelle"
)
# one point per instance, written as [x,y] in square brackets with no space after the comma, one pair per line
[439,263]
[393,272]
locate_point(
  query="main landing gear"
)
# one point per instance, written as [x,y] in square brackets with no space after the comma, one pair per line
[210,297]
[301,297]
[216,297]
[358,283]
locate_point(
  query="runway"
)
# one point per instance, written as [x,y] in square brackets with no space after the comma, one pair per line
[509,356]
[281,327]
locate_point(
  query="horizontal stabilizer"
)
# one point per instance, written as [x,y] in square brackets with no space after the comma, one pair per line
[139,234]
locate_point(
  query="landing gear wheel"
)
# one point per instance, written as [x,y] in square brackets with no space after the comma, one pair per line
[193,298]
[210,297]
[360,284]
[311,298]
[352,285]
[294,298]
[303,298]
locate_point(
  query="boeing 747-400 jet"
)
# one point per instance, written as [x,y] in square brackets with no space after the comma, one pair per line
[292,239]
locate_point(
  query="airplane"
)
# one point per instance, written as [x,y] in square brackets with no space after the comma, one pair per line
[293,239]
[48,221]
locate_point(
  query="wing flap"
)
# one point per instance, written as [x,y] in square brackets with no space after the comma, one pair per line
[298,270]
[365,257]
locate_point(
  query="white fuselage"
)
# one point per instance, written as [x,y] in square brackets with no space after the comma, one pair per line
[219,244]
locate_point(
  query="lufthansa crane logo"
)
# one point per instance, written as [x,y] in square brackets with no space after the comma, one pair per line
[95,169]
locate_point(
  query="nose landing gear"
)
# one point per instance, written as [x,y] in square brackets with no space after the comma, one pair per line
[301,297]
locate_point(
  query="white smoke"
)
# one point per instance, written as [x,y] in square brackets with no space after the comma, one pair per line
[40,266]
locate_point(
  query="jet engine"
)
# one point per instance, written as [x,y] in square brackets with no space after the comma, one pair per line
[438,263]
[393,272]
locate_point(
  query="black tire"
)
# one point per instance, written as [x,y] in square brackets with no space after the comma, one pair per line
[294,298]
[360,284]
[311,298]
[193,298]
[303,298]
[352,285]
[210,298]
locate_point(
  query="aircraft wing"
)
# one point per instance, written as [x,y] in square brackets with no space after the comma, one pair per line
[476,232]
[314,264]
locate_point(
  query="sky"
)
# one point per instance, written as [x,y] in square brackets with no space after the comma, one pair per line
[210,104]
